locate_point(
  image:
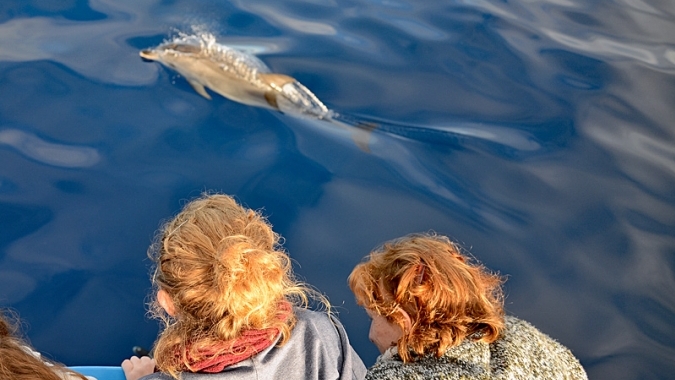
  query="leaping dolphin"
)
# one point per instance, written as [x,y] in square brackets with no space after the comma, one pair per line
[236,75]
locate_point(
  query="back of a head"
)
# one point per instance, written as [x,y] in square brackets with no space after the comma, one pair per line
[447,297]
[222,267]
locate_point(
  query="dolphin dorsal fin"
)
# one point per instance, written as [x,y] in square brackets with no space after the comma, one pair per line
[200,89]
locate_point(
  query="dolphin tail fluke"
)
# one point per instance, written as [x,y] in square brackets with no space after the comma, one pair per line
[200,89]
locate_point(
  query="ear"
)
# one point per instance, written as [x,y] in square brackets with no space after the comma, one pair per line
[407,321]
[164,300]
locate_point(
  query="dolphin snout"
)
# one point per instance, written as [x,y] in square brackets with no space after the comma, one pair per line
[148,55]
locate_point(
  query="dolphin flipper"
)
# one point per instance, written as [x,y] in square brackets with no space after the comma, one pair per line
[200,89]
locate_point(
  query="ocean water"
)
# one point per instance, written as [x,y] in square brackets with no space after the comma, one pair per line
[537,134]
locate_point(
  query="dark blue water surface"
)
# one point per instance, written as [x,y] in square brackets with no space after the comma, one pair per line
[538,134]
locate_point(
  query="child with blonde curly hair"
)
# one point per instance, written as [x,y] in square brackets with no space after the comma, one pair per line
[231,306]
[435,314]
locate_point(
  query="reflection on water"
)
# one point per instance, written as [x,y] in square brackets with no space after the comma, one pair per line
[279,17]
[33,147]
[18,221]
[510,138]
[601,47]
[536,133]
[575,26]
[71,44]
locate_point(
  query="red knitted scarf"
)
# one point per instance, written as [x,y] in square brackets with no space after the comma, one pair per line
[249,343]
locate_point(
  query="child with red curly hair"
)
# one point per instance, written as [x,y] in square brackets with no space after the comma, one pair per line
[435,314]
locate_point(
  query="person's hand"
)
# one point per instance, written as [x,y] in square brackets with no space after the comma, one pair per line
[135,367]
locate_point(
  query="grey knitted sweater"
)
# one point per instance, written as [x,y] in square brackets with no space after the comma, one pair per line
[522,352]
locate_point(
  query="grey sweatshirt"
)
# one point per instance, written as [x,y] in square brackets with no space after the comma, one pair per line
[521,353]
[318,348]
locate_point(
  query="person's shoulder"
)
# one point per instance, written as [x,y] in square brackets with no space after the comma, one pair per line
[522,342]
[425,368]
[307,314]
[320,320]
[388,369]
[320,338]
[187,376]
[521,330]
[156,376]
[514,322]
[389,366]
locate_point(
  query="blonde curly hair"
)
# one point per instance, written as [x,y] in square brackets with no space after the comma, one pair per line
[447,298]
[223,268]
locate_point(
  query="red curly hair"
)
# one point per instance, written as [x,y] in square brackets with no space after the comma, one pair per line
[447,297]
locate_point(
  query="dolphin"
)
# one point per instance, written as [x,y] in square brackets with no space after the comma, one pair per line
[236,75]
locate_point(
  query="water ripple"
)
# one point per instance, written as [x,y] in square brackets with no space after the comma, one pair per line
[511,138]
[280,17]
[31,146]
[659,56]
[416,28]
[15,286]
[70,43]
[573,25]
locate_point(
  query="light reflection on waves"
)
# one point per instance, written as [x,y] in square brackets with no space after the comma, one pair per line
[400,15]
[31,146]
[279,17]
[71,43]
[386,142]
[15,286]
[414,27]
[658,56]
[552,22]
